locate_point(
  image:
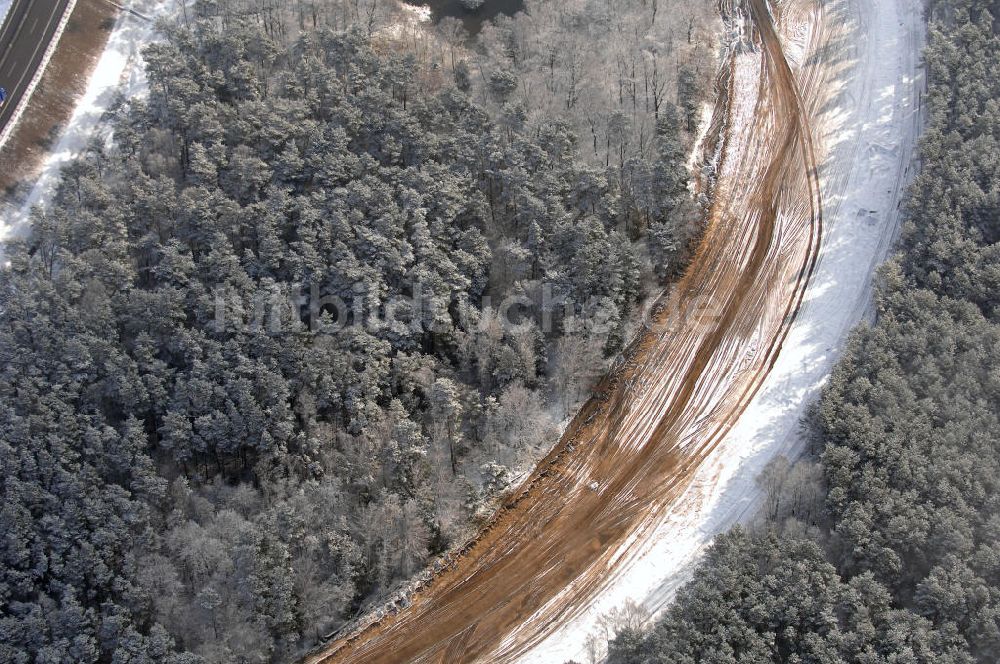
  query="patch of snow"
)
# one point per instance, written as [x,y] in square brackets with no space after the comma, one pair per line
[120,67]
[420,13]
[410,23]
[704,124]
[796,43]
[4,8]
[869,133]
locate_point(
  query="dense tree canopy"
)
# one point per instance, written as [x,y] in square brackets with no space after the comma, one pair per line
[257,365]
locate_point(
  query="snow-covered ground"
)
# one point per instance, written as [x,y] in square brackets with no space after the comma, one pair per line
[119,68]
[869,131]
[4,8]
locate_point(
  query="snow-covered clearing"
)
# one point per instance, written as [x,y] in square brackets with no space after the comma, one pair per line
[868,126]
[119,69]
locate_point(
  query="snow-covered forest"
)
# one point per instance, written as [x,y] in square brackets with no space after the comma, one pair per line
[219,441]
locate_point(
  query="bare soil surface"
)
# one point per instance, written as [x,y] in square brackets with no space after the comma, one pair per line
[632,449]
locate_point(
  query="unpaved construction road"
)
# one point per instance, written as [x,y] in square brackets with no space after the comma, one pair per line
[633,448]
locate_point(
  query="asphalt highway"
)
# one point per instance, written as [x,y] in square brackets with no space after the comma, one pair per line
[24,38]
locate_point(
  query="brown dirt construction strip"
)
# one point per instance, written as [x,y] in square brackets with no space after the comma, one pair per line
[683,384]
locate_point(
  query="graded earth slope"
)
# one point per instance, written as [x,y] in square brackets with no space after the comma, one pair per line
[632,450]
[863,95]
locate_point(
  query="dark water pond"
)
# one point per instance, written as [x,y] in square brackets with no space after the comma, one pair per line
[473,19]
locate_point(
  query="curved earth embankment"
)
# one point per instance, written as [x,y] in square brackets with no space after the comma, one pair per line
[633,450]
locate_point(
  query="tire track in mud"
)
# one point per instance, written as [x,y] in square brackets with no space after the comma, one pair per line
[555,542]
